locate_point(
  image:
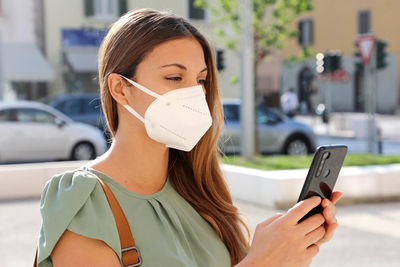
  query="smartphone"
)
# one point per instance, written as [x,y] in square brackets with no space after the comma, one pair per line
[322,175]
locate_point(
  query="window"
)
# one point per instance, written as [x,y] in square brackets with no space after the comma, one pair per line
[364,21]
[196,12]
[306,32]
[34,115]
[72,106]
[105,9]
[5,115]
[267,116]
[231,113]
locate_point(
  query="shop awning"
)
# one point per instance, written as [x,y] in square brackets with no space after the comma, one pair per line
[23,62]
[82,59]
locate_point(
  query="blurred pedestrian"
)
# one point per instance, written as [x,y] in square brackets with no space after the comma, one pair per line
[289,102]
[160,96]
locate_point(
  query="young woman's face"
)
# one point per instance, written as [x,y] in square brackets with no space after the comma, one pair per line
[171,65]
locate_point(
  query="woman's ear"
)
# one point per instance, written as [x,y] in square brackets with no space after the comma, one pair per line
[118,88]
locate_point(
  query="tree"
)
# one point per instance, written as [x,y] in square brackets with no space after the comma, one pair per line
[272,24]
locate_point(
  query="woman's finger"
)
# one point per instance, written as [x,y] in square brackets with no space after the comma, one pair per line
[302,208]
[329,211]
[315,236]
[312,223]
[336,196]
[329,231]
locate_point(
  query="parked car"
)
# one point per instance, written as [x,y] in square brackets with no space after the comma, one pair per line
[32,131]
[276,132]
[82,107]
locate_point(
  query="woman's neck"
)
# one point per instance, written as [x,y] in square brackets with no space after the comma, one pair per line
[139,164]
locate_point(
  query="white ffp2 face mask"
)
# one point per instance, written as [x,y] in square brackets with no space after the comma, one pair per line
[178,118]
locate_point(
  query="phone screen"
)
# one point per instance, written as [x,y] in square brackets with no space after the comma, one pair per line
[323,173]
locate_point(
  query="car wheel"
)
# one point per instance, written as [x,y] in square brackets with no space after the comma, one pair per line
[83,151]
[297,146]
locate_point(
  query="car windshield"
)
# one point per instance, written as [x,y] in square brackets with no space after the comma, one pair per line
[274,113]
[264,115]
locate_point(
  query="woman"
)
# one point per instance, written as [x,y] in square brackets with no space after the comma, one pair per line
[162,105]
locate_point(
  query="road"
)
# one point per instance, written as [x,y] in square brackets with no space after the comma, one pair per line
[389,147]
[368,235]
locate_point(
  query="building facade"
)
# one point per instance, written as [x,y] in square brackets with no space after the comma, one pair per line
[24,71]
[335,25]
[74,30]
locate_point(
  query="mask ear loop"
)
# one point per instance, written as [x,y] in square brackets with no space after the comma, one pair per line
[137,115]
[144,89]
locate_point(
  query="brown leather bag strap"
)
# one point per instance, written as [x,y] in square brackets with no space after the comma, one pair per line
[130,253]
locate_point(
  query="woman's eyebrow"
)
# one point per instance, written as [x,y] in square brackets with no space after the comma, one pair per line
[174,65]
[180,66]
[205,69]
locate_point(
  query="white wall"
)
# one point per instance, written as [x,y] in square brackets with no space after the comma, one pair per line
[17,21]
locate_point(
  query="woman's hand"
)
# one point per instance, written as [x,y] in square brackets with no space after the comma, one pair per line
[282,241]
[330,216]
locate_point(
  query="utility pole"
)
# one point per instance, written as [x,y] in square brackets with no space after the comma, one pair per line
[248,122]
[372,71]
[368,50]
[1,69]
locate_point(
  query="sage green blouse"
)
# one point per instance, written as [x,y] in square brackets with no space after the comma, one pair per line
[167,230]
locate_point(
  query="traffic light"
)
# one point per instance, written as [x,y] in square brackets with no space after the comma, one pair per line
[332,61]
[319,62]
[327,64]
[220,60]
[381,54]
[336,62]
[358,64]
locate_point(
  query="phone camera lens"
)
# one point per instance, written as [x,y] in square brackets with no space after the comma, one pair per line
[326,155]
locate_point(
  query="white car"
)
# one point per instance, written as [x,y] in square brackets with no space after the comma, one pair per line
[32,131]
[276,132]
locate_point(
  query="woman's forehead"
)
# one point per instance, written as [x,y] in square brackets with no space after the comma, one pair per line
[184,51]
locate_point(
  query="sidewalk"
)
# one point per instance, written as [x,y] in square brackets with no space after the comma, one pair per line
[350,125]
[368,235]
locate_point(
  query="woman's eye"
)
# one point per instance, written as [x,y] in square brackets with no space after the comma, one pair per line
[174,79]
[203,82]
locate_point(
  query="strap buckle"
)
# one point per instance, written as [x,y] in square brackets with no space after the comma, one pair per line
[128,249]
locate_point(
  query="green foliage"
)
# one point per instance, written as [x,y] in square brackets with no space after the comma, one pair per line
[234,80]
[304,162]
[305,53]
[272,23]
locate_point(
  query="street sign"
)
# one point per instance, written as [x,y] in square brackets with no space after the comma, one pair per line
[366,44]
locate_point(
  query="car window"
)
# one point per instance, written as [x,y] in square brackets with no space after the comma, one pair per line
[33,115]
[265,116]
[5,115]
[92,105]
[231,112]
[59,105]
[72,106]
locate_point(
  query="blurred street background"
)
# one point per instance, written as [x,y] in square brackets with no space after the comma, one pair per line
[368,234]
[293,74]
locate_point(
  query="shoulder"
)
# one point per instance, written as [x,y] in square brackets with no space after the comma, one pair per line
[66,192]
[74,200]
[69,182]
[77,250]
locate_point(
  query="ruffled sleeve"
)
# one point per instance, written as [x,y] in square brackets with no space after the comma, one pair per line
[75,201]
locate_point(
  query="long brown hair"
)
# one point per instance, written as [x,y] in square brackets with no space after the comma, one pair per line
[196,175]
